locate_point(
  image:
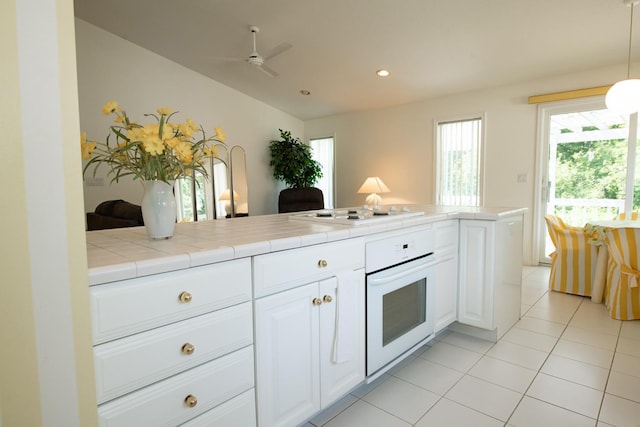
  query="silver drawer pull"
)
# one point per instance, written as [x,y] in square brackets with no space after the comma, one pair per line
[188,348]
[322,263]
[185,297]
[191,401]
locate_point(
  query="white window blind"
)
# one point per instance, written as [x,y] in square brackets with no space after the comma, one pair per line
[322,149]
[459,162]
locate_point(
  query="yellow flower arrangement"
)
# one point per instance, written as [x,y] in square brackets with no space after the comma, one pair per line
[161,151]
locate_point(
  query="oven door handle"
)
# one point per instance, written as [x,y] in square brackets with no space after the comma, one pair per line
[399,275]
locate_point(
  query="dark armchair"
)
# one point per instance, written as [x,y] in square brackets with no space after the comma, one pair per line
[300,199]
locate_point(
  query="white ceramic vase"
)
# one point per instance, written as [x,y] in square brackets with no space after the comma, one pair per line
[159,209]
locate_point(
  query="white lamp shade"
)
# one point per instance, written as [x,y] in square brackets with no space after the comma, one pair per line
[624,97]
[226,195]
[373,184]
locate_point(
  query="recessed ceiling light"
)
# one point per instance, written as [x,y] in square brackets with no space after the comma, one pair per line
[382,73]
[305,92]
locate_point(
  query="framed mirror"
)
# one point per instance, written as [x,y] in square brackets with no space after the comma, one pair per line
[224,194]
[238,183]
[219,177]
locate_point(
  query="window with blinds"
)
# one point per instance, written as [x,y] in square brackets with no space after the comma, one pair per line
[322,152]
[459,162]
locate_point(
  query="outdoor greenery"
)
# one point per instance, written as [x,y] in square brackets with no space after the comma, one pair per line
[186,195]
[292,162]
[592,169]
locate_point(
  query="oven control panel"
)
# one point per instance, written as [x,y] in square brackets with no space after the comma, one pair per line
[397,248]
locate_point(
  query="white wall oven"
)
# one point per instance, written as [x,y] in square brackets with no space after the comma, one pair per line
[400,291]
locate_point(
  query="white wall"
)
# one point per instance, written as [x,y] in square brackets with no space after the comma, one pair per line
[111,68]
[397,144]
[46,361]
[393,143]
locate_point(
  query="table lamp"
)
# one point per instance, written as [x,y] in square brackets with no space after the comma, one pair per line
[373,185]
[226,197]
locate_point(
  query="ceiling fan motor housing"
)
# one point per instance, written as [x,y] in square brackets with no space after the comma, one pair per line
[255,59]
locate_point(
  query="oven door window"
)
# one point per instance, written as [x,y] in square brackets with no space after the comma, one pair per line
[403,310]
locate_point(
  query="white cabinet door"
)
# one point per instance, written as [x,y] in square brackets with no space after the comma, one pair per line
[446,279]
[446,291]
[477,250]
[446,233]
[508,273]
[287,356]
[297,372]
[342,345]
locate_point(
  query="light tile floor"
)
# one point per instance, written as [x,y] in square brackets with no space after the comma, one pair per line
[565,363]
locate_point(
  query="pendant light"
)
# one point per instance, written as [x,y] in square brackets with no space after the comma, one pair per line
[624,96]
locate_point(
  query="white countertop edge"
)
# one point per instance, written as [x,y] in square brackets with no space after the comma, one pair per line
[151,266]
[210,256]
[492,214]
[165,262]
[112,273]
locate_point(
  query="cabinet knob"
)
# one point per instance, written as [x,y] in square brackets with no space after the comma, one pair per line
[317,301]
[327,298]
[185,297]
[188,348]
[322,263]
[191,401]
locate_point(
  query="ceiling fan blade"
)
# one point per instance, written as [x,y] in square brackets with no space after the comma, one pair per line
[268,71]
[229,59]
[281,48]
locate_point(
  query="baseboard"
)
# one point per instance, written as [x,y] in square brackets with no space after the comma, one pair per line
[484,334]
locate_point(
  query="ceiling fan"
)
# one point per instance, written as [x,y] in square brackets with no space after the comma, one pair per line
[258,60]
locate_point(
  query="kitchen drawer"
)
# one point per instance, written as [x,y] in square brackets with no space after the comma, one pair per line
[165,403]
[238,412]
[136,361]
[446,236]
[130,306]
[398,246]
[278,271]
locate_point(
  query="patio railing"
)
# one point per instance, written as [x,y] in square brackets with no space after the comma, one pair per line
[578,211]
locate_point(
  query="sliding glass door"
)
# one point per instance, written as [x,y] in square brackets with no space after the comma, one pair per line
[588,165]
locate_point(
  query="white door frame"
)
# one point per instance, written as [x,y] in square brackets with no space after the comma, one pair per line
[545,111]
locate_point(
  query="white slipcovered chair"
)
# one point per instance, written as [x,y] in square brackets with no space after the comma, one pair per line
[622,294]
[573,263]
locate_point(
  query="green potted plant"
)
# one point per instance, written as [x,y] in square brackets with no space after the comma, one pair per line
[292,163]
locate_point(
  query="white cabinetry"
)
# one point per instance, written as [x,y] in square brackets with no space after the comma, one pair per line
[171,347]
[446,280]
[490,273]
[296,373]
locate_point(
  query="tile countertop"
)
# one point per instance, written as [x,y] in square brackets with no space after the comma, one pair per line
[126,253]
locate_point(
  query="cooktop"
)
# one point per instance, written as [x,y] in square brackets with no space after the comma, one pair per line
[356,216]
